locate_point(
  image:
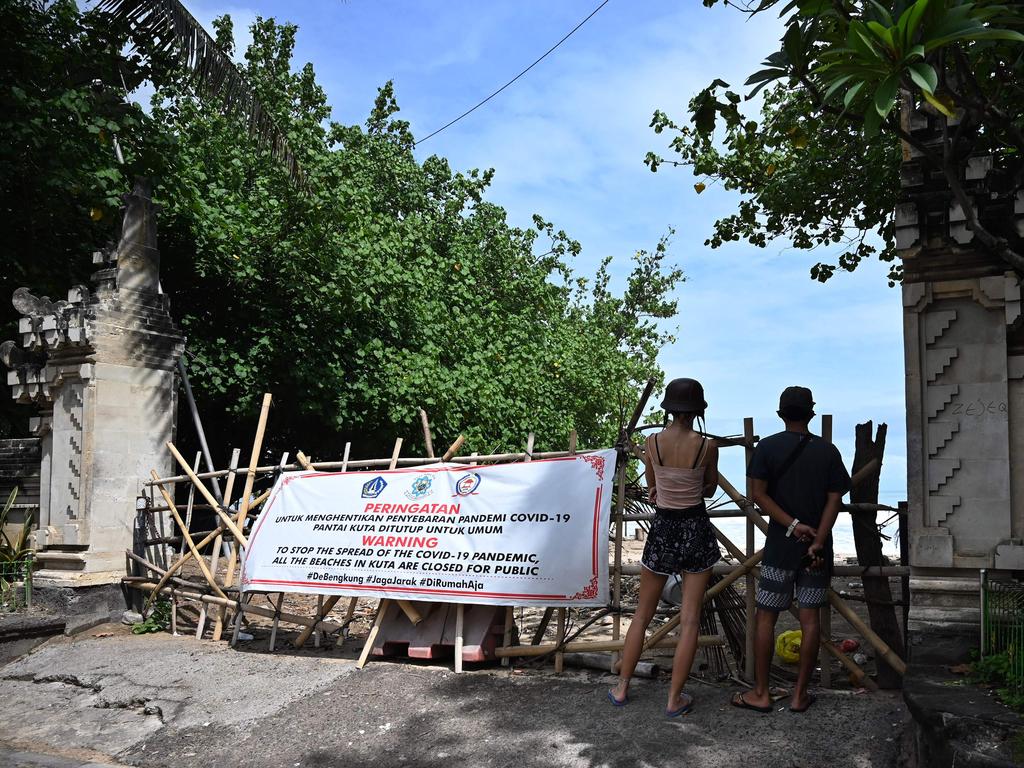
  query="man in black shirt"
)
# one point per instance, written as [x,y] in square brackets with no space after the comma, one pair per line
[799,480]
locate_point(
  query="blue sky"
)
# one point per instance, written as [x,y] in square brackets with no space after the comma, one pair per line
[568,141]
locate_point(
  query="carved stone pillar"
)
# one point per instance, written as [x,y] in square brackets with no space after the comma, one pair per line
[101,366]
[965,395]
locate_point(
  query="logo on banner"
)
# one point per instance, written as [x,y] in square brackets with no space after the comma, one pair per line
[467,484]
[374,488]
[420,487]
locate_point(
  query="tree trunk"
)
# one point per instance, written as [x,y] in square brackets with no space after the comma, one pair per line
[868,540]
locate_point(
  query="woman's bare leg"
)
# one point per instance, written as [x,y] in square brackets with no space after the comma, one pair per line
[651,585]
[694,586]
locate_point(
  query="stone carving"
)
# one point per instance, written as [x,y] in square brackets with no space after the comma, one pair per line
[101,368]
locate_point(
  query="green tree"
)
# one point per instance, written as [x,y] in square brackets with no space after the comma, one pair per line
[821,165]
[368,284]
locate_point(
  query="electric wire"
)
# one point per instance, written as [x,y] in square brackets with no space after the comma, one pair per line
[506,85]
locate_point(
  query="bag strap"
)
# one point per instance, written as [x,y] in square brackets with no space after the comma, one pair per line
[700,453]
[791,458]
[657,450]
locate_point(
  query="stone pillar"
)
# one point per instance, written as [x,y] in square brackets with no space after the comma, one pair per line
[964,346]
[101,367]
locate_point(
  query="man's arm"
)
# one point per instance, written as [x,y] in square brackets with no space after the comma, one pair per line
[760,497]
[828,519]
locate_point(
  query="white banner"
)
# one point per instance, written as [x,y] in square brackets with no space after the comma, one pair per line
[530,533]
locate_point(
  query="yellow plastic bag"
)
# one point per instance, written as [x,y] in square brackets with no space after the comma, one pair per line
[787,646]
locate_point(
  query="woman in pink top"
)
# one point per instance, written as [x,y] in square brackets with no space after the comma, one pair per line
[681,468]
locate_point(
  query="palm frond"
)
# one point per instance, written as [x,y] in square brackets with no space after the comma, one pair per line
[166,26]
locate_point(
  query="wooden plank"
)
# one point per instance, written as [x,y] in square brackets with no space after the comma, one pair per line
[825,612]
[218,623]
[750,585]
[460,621]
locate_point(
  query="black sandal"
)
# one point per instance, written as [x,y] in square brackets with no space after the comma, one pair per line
[740,703]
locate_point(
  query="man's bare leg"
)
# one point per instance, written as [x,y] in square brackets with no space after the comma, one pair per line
[764,649]
[651,585]
[810,627]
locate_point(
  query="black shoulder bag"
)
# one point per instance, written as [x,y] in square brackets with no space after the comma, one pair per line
[788,463]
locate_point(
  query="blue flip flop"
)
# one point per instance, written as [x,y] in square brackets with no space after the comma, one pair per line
[681,710]
[617,702]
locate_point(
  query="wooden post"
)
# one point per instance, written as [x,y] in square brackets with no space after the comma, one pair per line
[460,615]
[319,612]
[559,639]
[250,478]
[188,539]
[620,502]
[277,620]
[510,617]
[428,441]
[218,624]
[382,605]
[868,540]
[825,612]
[750,583]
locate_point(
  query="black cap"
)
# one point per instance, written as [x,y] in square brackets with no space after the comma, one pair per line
[684,396]
[796,403]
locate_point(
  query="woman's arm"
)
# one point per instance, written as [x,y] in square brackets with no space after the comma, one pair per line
[652,490]
[711,471]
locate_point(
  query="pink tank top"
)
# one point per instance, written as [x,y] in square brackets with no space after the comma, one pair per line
[679,488]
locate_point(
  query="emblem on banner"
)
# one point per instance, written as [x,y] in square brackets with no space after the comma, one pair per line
[467,484]
[374,488]
[420,487]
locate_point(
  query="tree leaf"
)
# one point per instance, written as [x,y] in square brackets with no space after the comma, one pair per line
[885,95]
[924,76]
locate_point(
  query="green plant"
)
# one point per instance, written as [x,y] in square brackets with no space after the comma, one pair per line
[13,550]
[997,670]
[158,620]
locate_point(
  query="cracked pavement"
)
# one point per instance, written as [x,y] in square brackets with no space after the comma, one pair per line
[158,700]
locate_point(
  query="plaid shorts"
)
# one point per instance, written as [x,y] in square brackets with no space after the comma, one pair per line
[775,588]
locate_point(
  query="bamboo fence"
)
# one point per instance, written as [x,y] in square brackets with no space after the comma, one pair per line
[151,571]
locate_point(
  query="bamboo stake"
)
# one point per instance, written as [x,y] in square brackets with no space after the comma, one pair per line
[859,675]
[175,567]
[510,618]
[748,595]
[880,646]
[460,617]
[672,623]
[240,539]
[450,453]
[562,612]
[825,612]
[364,655]
[250,478]
[330,602]
[277,620]
[218,623]
[289,618]
[190,502]
[582,646]
[188,540]
[427,439]
[382,605]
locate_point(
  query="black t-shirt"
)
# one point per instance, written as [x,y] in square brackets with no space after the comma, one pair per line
[801,492]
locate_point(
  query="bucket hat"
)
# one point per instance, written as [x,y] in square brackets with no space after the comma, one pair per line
[796,401]
[684,396]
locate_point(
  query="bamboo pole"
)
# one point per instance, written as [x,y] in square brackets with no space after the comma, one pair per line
[218,622]
[620,502]
[250,479]
[880,646]
[326,466]
[382,605]
[460,616]
[582,646]
[825,611]
[672,623]
[175,567]
[428,441]
[232,526]
[748,595]
[289,618]
[188,540]
[364,655]
[510,618]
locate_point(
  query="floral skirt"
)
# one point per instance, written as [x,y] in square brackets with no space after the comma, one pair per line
[681,541]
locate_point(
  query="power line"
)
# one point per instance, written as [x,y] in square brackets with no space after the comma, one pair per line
[506,85]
